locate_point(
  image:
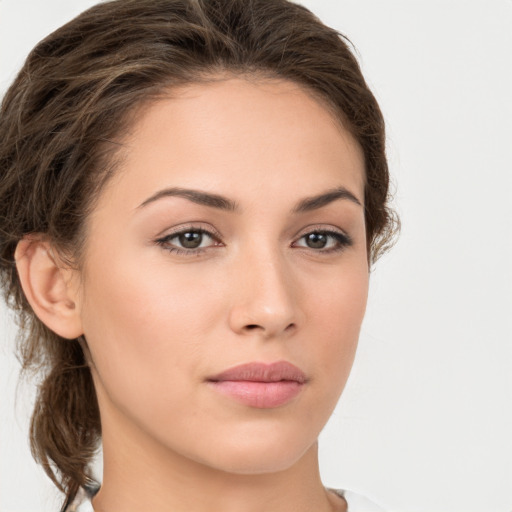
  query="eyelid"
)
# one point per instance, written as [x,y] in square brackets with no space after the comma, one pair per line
[163,239]
[190,226]
[323,228]
[344,239]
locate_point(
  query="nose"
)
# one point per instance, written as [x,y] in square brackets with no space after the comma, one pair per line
[266,299]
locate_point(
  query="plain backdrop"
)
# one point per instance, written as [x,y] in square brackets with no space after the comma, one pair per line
[425,423]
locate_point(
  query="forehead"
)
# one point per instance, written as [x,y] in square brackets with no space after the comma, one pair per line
[238,131]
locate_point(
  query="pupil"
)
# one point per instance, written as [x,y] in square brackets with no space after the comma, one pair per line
[191,240]
[316,240]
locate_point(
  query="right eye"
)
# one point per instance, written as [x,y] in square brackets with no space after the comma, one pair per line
[188,241]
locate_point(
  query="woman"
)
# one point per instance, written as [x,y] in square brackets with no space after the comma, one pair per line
[191,195]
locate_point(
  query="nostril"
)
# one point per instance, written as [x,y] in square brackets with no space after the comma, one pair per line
[252,327]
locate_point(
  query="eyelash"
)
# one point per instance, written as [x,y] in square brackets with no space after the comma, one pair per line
[164,241]
[343,241]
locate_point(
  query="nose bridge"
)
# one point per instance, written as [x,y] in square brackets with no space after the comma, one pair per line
[266,300]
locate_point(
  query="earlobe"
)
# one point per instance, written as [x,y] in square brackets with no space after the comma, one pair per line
[46,283]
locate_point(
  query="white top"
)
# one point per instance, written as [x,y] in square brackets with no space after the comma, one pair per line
[355,502]
[358,503]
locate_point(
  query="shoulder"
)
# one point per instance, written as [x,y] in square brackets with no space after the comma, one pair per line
[357,502]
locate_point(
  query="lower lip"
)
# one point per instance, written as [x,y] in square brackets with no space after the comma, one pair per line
[262,395]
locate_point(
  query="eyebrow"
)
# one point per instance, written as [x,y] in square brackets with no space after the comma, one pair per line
[315,202]
[196,196]
[223,203]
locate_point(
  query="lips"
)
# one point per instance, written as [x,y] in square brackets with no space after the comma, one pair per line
[260,385]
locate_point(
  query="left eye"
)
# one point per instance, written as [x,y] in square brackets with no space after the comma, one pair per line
[325,240]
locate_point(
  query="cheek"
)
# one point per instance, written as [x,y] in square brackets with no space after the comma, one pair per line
[148,298]
[143,325]
[336,315]
[339,301]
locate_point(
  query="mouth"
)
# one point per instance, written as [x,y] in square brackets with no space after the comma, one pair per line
[260,385]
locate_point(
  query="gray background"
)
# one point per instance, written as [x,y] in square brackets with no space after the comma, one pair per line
[425,423]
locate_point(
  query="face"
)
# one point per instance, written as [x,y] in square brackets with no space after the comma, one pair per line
[233,234]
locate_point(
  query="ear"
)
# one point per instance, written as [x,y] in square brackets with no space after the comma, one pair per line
[50,288]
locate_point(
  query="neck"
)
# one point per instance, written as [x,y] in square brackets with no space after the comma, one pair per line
[146,476]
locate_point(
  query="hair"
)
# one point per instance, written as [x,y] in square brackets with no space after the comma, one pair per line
[77,93]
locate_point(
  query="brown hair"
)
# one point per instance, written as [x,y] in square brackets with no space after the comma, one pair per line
[69,104]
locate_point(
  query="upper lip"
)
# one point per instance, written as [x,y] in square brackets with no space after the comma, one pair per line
[262,372]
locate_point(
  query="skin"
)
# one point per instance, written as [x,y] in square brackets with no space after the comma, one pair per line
[158,323]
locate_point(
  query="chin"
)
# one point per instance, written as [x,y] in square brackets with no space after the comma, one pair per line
[259,454]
